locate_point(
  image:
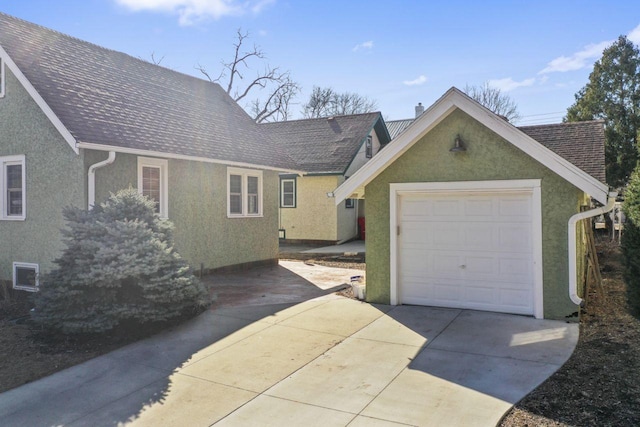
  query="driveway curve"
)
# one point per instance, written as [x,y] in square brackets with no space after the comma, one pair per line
[326,361]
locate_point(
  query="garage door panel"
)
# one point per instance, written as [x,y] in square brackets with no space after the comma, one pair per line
[477,256]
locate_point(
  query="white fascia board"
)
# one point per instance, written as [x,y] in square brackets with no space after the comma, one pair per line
[139,152]
[396,148]
[451,100]
[39,101]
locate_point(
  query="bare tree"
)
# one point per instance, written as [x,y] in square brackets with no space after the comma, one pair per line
[325,102]
[281,88]
[493,99]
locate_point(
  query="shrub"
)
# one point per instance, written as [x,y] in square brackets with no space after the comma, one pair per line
[631,235]
[119,267]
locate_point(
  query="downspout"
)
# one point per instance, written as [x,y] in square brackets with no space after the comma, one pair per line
[92,178]
[573,264]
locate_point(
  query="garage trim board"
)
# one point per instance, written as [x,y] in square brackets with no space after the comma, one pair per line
[529,188]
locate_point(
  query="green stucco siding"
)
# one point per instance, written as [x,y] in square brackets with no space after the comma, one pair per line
[488,157]
[54,179]
[198,209]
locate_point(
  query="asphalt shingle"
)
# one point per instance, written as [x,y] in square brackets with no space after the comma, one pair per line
[325,145]
[107,97]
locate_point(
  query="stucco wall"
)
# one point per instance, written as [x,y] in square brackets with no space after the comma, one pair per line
[488,157]
[315,214]
[53,180]
[198,208]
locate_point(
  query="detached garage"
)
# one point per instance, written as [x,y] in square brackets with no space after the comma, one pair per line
[465,210]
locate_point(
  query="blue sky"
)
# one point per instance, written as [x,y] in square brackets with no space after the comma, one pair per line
[397,53]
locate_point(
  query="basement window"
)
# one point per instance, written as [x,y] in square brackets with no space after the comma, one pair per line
[26,276]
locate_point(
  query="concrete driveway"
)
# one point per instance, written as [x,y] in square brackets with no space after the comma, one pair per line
[327,361]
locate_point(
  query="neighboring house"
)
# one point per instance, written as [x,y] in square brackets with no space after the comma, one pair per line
[465,210]
[328,151]
[78,121]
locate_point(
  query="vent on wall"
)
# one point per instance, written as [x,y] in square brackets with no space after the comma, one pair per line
[26,276]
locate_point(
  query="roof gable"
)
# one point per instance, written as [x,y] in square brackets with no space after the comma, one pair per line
[326,145]
[109,99]
[455,99]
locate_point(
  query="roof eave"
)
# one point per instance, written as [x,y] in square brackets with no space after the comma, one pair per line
[164,155]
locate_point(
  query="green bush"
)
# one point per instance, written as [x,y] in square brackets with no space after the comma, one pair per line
[119,267]
[631,234]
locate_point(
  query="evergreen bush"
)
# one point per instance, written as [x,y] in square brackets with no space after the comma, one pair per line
[119,267]
[631,234]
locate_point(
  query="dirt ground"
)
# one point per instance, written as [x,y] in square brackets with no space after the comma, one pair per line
[598,386]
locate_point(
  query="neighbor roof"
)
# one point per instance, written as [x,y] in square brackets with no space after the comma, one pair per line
[326,145]
[397,126]
[104,97]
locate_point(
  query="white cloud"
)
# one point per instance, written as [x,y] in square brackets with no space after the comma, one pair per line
[420,80]
[578,60]
[362,46]
[190,11]
[634,35]
[508,84]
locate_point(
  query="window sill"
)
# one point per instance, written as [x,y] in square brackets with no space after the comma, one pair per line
[13,218]
[244,216]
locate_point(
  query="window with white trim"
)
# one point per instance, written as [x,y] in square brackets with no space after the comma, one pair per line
[287,192]
[244,193]
[26,276]
[153,182]
[13,184]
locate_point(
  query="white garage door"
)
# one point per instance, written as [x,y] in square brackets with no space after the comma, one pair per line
[467,250]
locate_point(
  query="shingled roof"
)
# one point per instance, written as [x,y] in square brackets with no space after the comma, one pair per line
[106,97]
[581,143]
[326,145]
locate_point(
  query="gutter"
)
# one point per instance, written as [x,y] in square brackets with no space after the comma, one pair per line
[573,265]
[92,178]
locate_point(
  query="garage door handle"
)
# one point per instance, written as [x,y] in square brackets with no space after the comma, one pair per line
[463,266]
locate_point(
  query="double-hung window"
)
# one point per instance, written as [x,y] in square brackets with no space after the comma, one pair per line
[13,185]
[244,193]
[287,192]
[153,182]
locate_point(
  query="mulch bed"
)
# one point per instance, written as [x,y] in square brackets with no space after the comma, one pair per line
[600,384]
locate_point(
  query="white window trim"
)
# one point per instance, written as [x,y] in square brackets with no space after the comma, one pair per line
[244,173]
[282,181]
[368,147]
[163,165]
[36,267]
[4,162]
[2,78]
[530,186]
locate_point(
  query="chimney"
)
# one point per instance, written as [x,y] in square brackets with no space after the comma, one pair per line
[419,109]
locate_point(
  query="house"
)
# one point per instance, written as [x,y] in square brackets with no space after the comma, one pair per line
[465,210]
[79,121]
[328,151]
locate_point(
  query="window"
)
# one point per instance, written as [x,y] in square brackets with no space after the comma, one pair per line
[26,276]
[369,147]
[287,192]
[1,78]
[13,184]
[244,193]
[349,203]
[153,182]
